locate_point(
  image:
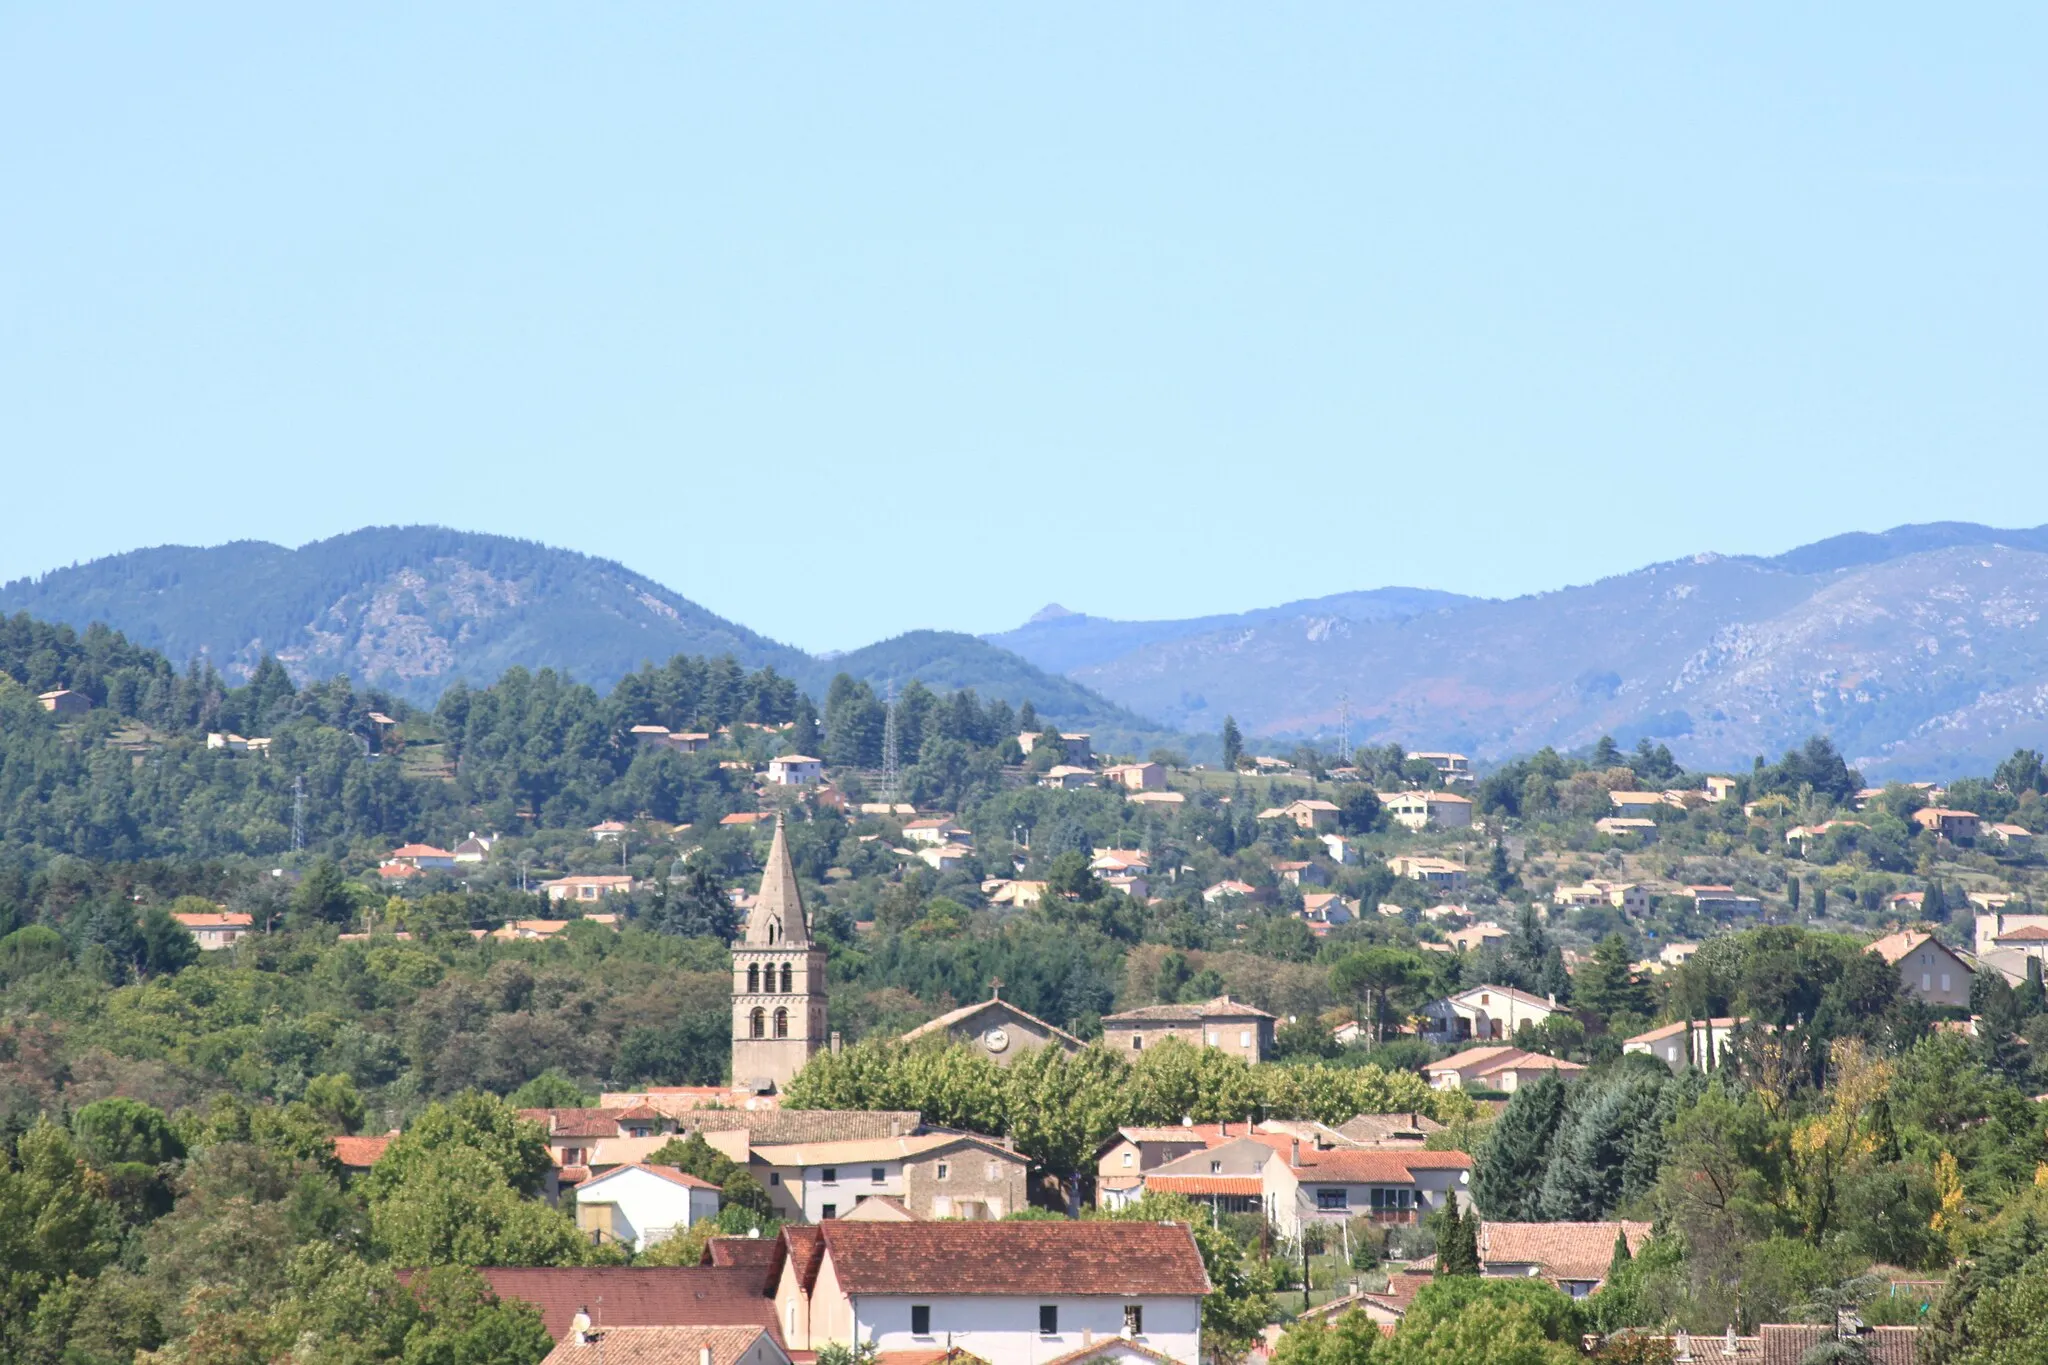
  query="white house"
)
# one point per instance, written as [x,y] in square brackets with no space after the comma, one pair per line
[1484,1012]
[1010,1293]
[795,770]
[1339,851]
[641,1205]
[1419,810]
[937,829]
[1710,1037]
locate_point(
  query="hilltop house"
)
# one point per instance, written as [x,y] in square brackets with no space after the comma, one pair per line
[638,1205]
[1956,826]
[1420,810]
[1230,1025]
[795,770]
[1933,973]
[1440,873]
[1484,1012]
[223,929]
[1710,1038]
[1137,777]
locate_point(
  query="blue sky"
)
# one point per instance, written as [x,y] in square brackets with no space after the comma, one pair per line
[846,320]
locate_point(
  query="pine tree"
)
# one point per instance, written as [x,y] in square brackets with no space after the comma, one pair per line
[1508,1175]
[1233,743]
[1457,1238]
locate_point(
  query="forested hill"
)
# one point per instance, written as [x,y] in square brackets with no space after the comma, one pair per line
[412,609]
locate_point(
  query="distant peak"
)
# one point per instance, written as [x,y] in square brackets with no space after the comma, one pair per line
[1051,611]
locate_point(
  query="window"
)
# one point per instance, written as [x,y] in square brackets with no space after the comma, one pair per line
[788,978]
[944,1170]
[1925,983]
[830,1175]
[827,1212]
[775,1177]
[1213,1039]
[1048,1319]
[1137,1042]
[1332,1199]
[878,1175]
[993,1173]
[754,979]
[920,1319]
[1244,1038]
[757,1023]
[1944,980]
[781,1023]
[1134,1319]
[1215,1168]
[1130,1160]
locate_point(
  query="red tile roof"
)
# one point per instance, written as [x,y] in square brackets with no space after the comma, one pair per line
[666,1346]
[1091,1257]
[807,1251]
[671,1174]
[762,1255]
[1376,1167]
[1563,1251]
[1206,1184]
[638,1296]
[360,1153]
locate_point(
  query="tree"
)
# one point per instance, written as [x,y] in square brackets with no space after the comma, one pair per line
[1617,1263]
[1359,810]
[324,897]
[1233,744]
[1477,1320]
[2023,772]
[1350,1340]
[475,1122]
[1457,1238]
[167,946]
[1498,872]
[551,1090]
[1371,975]
[123,1131]
[1507,1178]
[452,1205]
[1608,985]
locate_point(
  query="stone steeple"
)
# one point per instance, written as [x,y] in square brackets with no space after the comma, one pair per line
[778,982]
[777,918]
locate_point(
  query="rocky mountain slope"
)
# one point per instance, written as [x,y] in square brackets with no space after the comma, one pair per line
[414,608]
[1921,650]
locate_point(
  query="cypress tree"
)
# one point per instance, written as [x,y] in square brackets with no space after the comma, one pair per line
[1621,1257]
[1508,1175]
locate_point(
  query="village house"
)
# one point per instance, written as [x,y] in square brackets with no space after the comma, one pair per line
[1023,1293]
[639,1205]
[937,829]
[1421,810]
[1721,901]
[1484,1012]
[476,848]
[1672,1046]
[936,1175]
[1158,798]
[65,704]
[1321,910]
[1136,777]
[1331,1187]
[216,930]
[1067,777]
[1230,1025]
[1338,848]
[1956,826]
[1021,895]
[1301,874]
[1453,767]
[1932,972]
[996,1028]
[1079,747]
[1625,896]
[1721,788]
[1624,826]
[1474,937]
[609,831]
[1440,873]
[1312,817]
[1224,890]
[2011,943]
[945,857]
[611,1345]
[795,770]
[584,887]
[1506,1069]
[2017,837]
[237,744]
[1636,805]
[1572,1256]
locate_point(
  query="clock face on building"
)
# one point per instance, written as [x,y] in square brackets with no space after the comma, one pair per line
[996,1039]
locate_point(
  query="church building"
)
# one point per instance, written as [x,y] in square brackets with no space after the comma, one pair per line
[778,983]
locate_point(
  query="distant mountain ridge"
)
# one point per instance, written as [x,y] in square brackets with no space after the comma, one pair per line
[1921,649]
[414,608]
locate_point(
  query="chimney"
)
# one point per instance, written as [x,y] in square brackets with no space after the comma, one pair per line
[704,1354]
[1294,1153]
[1223,1128]
[835,1042]
[1087,1337]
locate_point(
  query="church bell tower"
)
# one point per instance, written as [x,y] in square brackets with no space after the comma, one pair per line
[778,983]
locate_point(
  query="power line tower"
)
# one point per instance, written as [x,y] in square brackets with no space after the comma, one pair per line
[299,813]
[1343,728]
[891,755]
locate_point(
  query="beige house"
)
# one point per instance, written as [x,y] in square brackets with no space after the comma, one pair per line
[996,1029]
[1476,936]
[1454,767]
[1932,972]
[1956,826]
[1137,777]
[935,1175]
[1230,1025]
[1639,804]
[1440,873]
[1420,810]
[937,829]
[1625,896]
[1572,1256]
[1067,777]
[583,888]
[65,703]
[1485,1012]
[1710,1038]
[1721,788]
[220,930]
[1622,826]
[1313,817]
[1079,747]
[1506,1069]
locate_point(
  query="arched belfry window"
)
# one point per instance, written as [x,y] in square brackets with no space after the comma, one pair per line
[754,979]
[788,979]
[775,931]
[782,1023]
[757,1024]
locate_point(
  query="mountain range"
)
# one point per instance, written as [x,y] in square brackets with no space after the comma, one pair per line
[1920,649]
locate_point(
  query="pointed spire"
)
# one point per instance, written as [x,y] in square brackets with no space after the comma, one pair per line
[778,914]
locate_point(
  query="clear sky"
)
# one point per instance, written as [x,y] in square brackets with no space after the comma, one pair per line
[844,320]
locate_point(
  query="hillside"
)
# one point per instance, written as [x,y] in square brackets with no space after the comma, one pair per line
[412,609]
[1921,650]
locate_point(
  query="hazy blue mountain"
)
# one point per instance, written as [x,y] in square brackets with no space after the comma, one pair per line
[1921,649]
[1064,641]
[414,608]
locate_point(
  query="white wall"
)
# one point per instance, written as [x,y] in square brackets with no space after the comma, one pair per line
[1003,1329]
[855,1183]
[648,1202]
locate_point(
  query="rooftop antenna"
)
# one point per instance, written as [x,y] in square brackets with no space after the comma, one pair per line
[299,813]
[891,758]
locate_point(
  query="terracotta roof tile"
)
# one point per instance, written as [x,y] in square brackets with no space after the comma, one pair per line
[1562,1251]
[1206,1184]
[638,1296]
[360,1153]
[807,1251]
[1784,1344]
[1376,1167]
[672,1174]
[1090,1257]
[669,1346]
[1222,1007]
